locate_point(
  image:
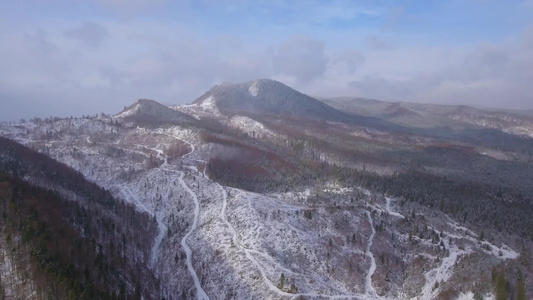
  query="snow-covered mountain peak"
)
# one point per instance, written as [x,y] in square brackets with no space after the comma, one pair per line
[146,110]
[140,107]
[265,96]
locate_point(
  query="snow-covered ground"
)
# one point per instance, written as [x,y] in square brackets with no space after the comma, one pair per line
[369,289]
[250,126]
[217,242]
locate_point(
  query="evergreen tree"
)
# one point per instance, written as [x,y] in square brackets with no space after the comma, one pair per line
[501,291]
[520,288]
[281,281]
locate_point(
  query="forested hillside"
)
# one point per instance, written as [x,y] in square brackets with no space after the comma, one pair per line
[65,238]
[256,191]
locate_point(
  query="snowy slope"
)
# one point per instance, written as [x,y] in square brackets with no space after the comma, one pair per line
[217,242]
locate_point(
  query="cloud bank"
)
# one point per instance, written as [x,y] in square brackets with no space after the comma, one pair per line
[121,51]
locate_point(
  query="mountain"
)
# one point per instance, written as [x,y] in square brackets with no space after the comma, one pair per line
[266,96]
[255,199]
[396,110]
[360,106]
[273,98]
[419,115]
[150,111]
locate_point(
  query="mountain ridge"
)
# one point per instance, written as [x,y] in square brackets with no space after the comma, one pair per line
[265,96]
[151,111]
[270,97]
[437,115]
[264,206]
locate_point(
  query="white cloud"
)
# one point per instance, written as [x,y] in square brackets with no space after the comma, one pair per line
[302,58]
[489,75]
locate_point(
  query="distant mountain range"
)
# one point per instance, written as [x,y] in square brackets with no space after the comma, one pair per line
[266,96]
[433,115]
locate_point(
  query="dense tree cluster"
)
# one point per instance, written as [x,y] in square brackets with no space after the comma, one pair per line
[70,236]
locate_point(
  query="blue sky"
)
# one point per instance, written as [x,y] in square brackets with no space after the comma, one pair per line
[88,56]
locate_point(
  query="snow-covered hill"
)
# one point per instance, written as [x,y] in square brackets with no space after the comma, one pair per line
[150,111]
[217,242]
[265,96]
[261,192]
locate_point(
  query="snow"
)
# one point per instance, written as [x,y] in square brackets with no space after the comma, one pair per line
[250,126]
[256,237]
[162,228]
[460,228]
[389,211]
[467,296]
[504,252]
[441,273]
[129,112]
[200,293]
[206,108]
[369,289]
[254,88]
[209,104]
[234,236]
[245,246]
[471,296]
